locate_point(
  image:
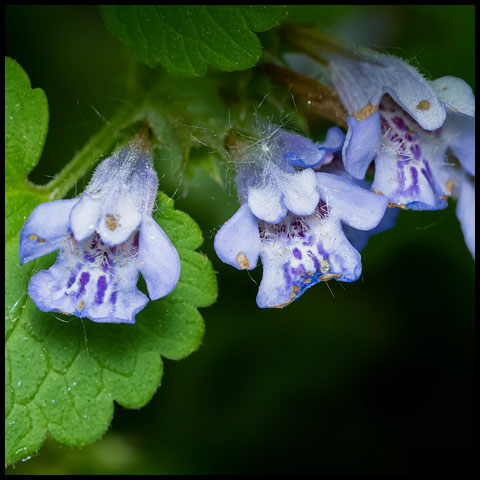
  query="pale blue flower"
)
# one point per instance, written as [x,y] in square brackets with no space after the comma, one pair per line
[105,239]
[409,126]
[297,249]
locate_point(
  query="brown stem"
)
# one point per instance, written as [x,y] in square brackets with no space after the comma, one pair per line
[312,96]
[315,43]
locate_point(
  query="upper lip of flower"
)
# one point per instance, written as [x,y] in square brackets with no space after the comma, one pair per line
[267,178]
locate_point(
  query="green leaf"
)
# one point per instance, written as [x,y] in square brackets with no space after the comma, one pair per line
[185,38]
[63,374]
[26,123]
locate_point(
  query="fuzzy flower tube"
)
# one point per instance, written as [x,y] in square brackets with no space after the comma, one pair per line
[105,239]
[295,224]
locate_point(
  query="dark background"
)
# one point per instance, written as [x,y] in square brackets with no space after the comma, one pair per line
[375,377]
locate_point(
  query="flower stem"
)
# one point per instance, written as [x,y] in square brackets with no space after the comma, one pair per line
[312,96]
[316,44]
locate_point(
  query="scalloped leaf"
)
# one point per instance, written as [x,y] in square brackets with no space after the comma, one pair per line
[186,38]
[62,374]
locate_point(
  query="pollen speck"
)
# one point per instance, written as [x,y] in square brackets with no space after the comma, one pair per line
[449,185]
[33,237]
[423,105]
[111,222]
[242,261]
[367,111]
[81,304]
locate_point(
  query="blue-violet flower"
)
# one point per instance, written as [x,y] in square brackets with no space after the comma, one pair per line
[409,126]
[298,246]
[105,238]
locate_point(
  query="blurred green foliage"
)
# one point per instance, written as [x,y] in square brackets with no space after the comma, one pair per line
[374,377]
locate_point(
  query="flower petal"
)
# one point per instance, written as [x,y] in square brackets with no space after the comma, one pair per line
[158,259]
[361,144]
[238,242]
[85,216]
[45,229]
[350,203]
[300,252]
[466,212]
[359,238]
[366,80]
[456,94]
[458,133]
[300,192]
[299,151]
[334,140]
[119,220]
[90,279]
[265,202]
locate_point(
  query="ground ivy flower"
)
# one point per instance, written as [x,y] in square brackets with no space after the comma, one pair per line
[406,123]
[410,126]
[105,239]
[299,250]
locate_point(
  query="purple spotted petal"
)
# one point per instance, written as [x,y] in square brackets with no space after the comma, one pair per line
[158,259]
[406,184]
[238,242]
[91,279]
[466,211]
[350,203]
[361,144]
[300,252]
[455,94]
[412,167]
[45,228]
